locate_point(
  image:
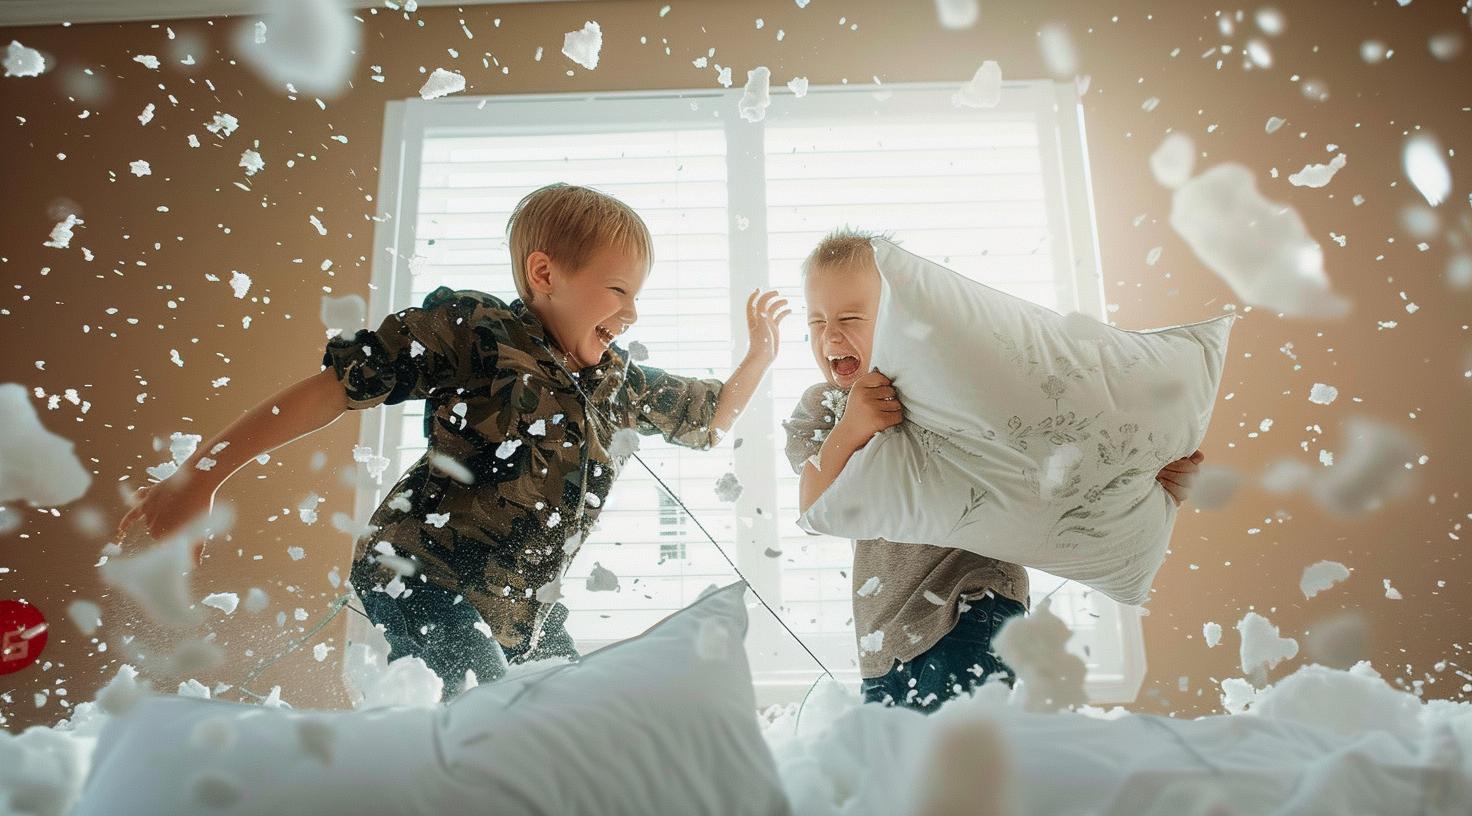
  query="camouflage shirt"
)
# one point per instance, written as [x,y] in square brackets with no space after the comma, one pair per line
[899,603]
[534,436]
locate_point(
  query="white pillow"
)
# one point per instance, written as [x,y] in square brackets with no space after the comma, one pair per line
[1029,437]
[665,722]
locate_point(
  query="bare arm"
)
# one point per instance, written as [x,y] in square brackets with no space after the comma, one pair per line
[764,314]
[290,413]
[738,390]
[295,411]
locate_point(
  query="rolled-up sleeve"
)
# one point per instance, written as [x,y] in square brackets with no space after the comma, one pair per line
[410,354]
[680,408]
[809,424]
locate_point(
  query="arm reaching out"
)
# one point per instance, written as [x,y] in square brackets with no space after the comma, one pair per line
[295,411]
[764,316]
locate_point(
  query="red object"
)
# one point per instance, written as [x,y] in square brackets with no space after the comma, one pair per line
[22,635]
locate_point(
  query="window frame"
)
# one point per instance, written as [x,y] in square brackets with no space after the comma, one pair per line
[1053,106]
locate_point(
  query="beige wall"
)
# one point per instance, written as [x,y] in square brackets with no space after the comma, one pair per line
[144,258]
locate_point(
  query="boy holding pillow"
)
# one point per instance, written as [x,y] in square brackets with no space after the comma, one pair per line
[924,616]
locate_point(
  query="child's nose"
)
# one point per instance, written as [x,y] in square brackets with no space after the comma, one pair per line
[630,314]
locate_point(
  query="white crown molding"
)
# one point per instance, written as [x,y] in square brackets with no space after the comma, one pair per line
[56,12]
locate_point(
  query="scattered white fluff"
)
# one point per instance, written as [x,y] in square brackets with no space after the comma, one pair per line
[1318,175]
[222,124]
[1173,160]
[538,428]
[252,162]
[1049,677]
[148,61]
[451,467]
[507,448]
[441,83]
[373,682]
[583,46]
[728,488]
[437,520]
[602,579]
[870,587]
[1274,123]
[798,86]
[256,600]
[21,61]
[954,14]
[1368,471]
[756,96]
[307,510]
[157,578]
[983,91]
[1323,394]
[1059,53]
[61,234]
[638,352]
[1212,632]
[1237,695]
[122,692]
[140,168]
[1425,165]
[1262,649]
[1391,592]
[344,314]
[36,465]
[624,444]
[223,601]
[194,688]
[1260,248]
[239,283]
[309,45]
[1320,576]
[86,615]
[296,553]
[872,642]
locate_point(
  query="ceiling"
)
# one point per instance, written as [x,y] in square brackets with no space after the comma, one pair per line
[53,12]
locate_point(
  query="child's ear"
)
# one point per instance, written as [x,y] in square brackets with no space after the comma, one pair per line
[539,273]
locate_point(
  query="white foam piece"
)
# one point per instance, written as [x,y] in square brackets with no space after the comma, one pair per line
[1173,160]
[36,465]
[441,83]
[1321,575]
[1262,648]
[957,14]
[1260,248]
[346,314]
[1318,175]
[983,91]
[1425,165]
[21,61]
[584,45]
[756,95]
[311,45]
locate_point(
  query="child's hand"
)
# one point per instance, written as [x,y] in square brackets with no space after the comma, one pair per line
[1177,476]
[873,406]
[763,316]
[167,506]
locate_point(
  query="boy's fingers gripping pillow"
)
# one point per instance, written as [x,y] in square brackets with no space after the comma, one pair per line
[1029,437]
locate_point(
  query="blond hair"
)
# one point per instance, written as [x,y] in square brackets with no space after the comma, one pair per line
[842,247]
[570,223]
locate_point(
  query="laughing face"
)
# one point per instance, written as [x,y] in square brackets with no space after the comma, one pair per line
[585,309]
[842,304]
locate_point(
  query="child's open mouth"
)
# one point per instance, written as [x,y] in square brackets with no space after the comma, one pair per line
[844,365]
[604,336]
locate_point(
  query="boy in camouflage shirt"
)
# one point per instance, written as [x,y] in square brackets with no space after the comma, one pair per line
[526,403]
[530,398]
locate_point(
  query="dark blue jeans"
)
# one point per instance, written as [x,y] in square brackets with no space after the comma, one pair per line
[956,664]
[431,625]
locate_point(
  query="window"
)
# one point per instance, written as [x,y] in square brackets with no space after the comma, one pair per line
[1000,195]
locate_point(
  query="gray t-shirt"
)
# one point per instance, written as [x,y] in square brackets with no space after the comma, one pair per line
[912,593]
